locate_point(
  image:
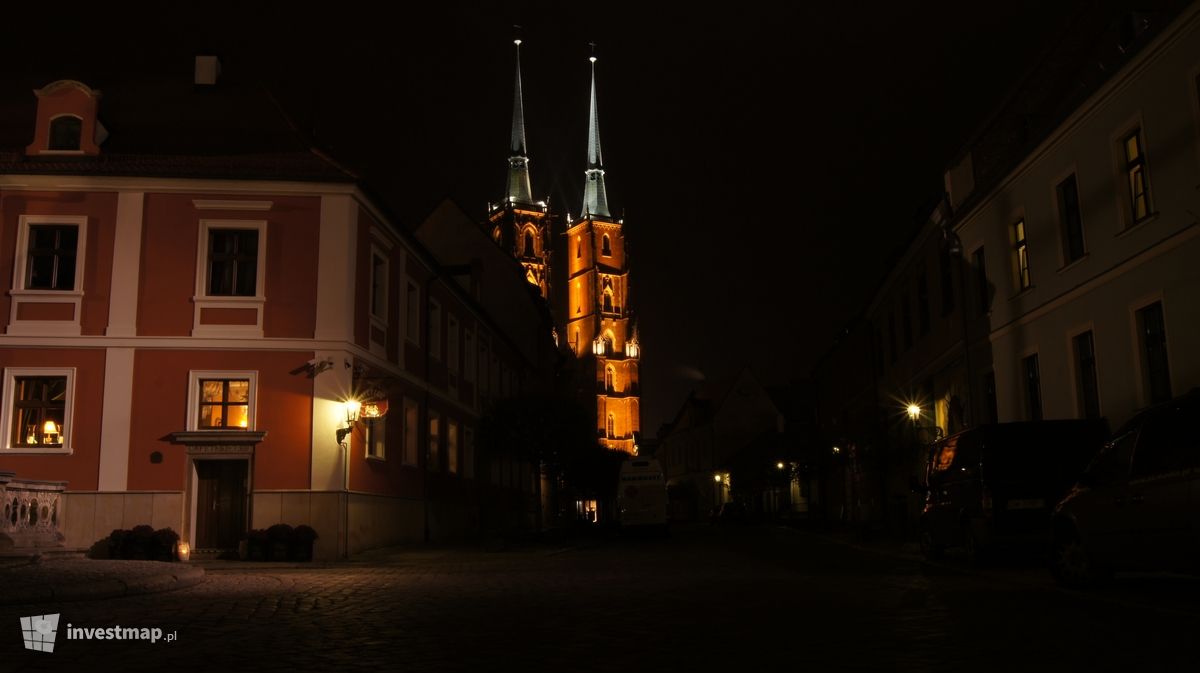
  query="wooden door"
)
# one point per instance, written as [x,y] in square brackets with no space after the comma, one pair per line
[220,503]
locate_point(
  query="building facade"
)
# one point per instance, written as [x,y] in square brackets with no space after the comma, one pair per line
[219,343]
[1057,277]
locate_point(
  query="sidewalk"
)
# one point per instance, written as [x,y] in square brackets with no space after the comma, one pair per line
[79,579]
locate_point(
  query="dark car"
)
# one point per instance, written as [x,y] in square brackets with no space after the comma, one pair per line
[995,486]
[1137,507]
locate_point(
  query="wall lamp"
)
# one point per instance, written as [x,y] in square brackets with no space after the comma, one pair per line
[353,409]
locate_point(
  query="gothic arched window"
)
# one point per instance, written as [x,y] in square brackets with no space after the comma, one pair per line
[608,305]
[528,243]
[611,427]
[605,246]
[578,247]
[610,376]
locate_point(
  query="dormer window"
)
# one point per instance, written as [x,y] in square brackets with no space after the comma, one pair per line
[66,120]
[65,133]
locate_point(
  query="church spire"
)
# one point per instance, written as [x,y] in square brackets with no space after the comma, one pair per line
[518,161]
[595,201]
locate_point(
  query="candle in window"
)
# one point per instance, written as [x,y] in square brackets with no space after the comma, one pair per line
[31,435]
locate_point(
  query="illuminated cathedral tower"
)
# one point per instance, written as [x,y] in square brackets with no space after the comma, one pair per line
[599,330]
[519,224]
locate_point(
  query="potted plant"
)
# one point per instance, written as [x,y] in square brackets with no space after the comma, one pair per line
[165,540]
[279,539]
[302,543]
[257,543]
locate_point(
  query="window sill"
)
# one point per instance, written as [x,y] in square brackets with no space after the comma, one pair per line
[378,459]
[231,298]
[1074,263]
[33,451]
[46,294]
[1022,293]
[1137,225]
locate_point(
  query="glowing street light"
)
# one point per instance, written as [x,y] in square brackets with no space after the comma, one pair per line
[779,465]
[914,412]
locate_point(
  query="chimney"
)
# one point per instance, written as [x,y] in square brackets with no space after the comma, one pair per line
[208,68]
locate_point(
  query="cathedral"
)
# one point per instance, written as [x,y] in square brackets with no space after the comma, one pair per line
[598,330]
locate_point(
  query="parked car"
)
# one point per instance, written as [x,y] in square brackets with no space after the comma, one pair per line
[1137,507]
[995,486]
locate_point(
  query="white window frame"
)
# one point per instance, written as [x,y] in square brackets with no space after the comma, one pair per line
[7,416]
[20,295]
[50,130]
[376,430]
[193,413]
[203,300]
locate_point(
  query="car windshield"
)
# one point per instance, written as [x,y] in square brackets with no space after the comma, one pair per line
[1051,455]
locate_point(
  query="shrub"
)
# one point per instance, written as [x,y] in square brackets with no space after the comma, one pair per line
[142,542]
[165,540]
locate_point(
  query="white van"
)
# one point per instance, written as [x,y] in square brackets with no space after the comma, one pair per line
[642,493]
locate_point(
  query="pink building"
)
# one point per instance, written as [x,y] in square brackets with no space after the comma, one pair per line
[189,314]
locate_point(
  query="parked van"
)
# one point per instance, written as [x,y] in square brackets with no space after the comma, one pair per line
[996,485]
[1137,507]
[642,493]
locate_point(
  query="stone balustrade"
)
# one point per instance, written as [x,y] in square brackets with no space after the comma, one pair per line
[32,513]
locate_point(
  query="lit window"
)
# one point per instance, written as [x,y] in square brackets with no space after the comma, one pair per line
[452,447]
[224,404]
[221,400]
[610,428]
[232,262]
[1021,255]
[50,264]
[1135,173]
[434,459]
[38,409]
[66,133]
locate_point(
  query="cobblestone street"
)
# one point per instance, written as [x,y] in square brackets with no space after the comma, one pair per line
[705,599]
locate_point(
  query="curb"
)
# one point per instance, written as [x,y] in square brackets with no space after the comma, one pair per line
[112,587]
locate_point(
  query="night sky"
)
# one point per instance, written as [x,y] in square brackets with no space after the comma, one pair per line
[768,159]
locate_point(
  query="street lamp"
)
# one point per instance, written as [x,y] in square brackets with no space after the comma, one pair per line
[914,413]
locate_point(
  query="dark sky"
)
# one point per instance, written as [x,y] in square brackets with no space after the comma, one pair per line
[768,158]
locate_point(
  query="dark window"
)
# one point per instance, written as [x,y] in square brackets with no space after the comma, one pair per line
[412,308]
[605,246]
[232,262]
[923,302]
[39,410]
[906,321]
[892,336]
[989,396]
[947,278]
[51,261]
[984,292]
[1085,366]
[608,304]
[529,244]
[1021,252]
[1072,221]
[379,279]
[1157,376]
[1033,387]
[66,133]
[1135,173]
[224,403]
[376,437]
